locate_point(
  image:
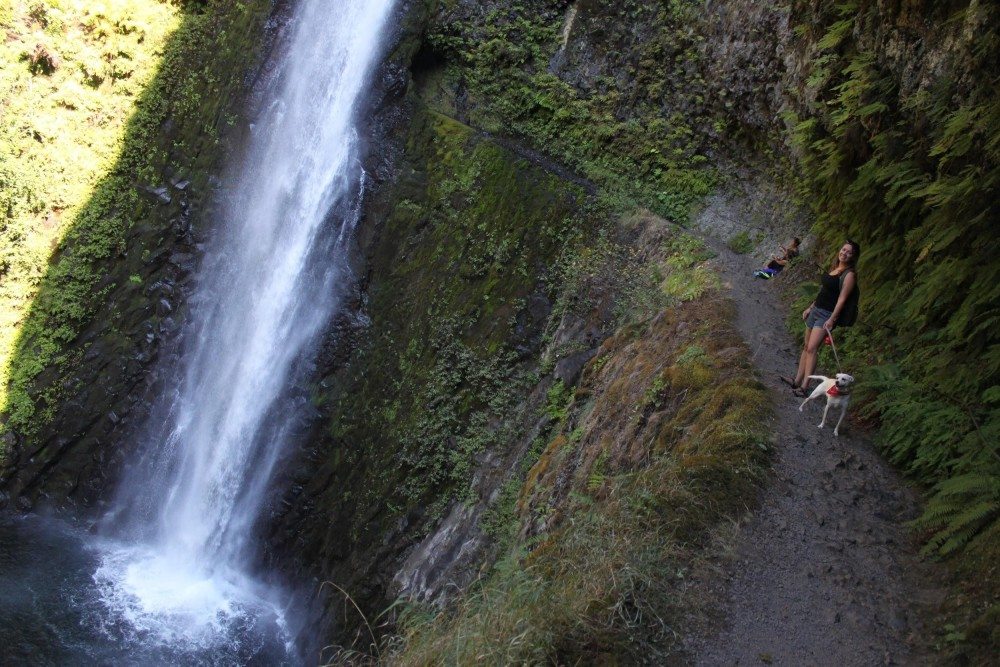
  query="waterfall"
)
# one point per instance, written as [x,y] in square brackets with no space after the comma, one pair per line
[175,566]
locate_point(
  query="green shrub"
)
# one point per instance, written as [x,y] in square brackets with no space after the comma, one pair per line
[742,243]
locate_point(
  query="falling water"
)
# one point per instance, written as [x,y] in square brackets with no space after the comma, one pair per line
[175,567]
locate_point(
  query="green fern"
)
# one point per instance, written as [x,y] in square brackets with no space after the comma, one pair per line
[914,176]
[961,508]
[836,34]
[598,473]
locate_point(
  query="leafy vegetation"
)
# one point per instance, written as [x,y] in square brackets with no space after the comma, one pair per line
[963,509]
[742,243]
[912,172]
[469,395]
[559,396]
[628,146]
[913,175]
[688,277]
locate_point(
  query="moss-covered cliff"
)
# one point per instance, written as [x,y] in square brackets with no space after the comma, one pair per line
[881,116]
[503,263]
[453,321]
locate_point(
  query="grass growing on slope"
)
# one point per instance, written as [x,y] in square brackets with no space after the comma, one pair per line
[663,439]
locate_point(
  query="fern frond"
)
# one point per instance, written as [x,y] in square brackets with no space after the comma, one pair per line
[836,34]
[962,508]
[974,515]
[976,484]
[958,540]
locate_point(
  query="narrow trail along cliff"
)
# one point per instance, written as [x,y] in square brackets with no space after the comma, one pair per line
[824,571]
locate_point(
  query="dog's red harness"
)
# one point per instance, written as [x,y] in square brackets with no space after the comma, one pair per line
[834,390]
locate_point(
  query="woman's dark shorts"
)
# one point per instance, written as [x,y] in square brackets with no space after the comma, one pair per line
[817,318]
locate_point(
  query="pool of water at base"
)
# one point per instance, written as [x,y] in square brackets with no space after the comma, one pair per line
[55,611]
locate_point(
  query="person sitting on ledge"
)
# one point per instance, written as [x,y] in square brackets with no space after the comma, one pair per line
[777,263]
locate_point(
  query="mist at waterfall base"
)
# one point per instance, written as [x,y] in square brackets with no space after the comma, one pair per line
[169,577]
[54,612]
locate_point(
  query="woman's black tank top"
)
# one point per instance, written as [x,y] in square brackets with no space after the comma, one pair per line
[829,292]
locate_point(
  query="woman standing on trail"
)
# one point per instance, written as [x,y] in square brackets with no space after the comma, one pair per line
[821,315]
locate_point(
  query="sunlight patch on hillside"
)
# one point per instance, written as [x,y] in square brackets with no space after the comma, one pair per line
[71,72]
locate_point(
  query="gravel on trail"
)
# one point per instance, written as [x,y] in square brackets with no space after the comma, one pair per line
[824,571]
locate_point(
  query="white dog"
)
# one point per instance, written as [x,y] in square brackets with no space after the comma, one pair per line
[837,394]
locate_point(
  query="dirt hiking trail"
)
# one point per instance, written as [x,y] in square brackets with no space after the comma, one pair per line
[824,571]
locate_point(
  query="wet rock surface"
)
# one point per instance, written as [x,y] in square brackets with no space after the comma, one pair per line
[824,572]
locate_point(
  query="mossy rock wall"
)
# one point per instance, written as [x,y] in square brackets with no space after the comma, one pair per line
[876,116]
[456,304]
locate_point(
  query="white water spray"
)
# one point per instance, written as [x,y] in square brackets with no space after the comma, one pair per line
[270,281]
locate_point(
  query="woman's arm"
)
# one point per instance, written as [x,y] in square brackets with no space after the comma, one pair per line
[845,291]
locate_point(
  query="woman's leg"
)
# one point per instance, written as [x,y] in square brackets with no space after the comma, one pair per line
[802,360]
[807,360]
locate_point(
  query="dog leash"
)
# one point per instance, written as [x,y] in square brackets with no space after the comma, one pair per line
[829,339]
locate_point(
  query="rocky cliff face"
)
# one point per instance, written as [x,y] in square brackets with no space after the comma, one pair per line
[659,104]
[494,275]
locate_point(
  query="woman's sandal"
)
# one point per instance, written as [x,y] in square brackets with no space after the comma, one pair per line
[796,389]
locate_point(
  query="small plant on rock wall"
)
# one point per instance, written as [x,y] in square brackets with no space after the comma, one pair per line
[559,397]
[742,243]
[692,354]
[687,277]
